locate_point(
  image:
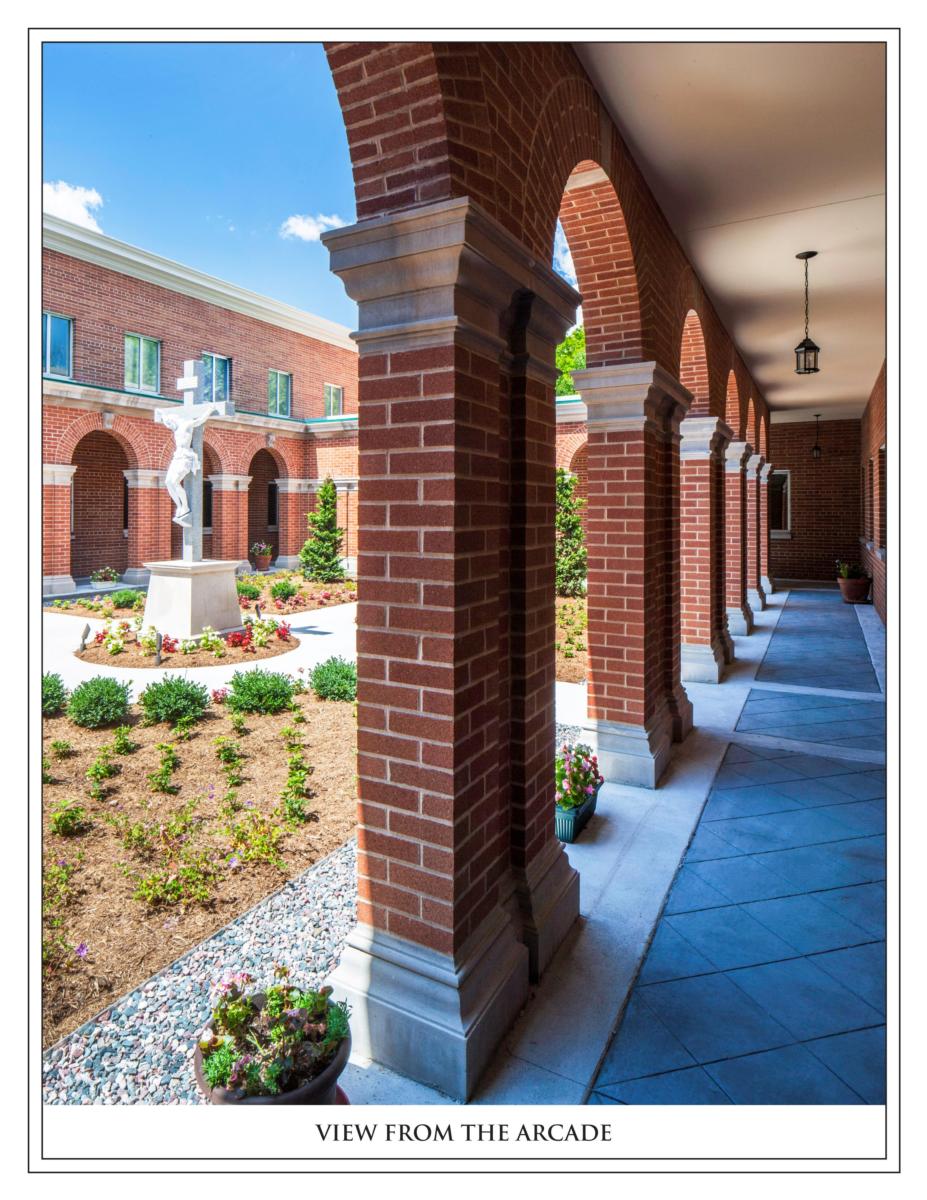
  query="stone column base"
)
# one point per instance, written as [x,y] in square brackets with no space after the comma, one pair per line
[756,598]
[135,575]
[740,621]
[183,597]
[287,562]
[548,904]
[702,664]
[727,643]
[57,585]
[768,586]
[426,1016]
[632,753]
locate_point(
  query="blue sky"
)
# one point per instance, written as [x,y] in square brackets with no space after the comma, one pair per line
[204,152]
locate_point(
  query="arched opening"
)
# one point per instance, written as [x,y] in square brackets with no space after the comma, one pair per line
[732,407]
[693,364]
[99,505]
[264,501]
[752,432]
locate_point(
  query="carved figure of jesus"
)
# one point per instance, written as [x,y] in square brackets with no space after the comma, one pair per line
[183,423]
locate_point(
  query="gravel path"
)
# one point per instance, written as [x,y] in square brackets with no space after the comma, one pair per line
[140,1051]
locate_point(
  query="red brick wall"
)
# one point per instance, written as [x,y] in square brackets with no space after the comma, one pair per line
[98,484]
[872,439]
[105,305]
[825,498]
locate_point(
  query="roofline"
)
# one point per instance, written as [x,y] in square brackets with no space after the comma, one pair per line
[103,251]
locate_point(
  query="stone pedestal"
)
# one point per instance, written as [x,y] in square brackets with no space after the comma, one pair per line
[183,597]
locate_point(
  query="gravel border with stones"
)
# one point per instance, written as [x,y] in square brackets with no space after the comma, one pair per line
[568,734]
[140,1049]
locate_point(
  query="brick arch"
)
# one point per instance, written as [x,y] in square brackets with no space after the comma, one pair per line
[570,439]
[693,364]
[123,431]
[597,234]
[751,433]
[101,457]
[244,451]
[733,409]
[764,433]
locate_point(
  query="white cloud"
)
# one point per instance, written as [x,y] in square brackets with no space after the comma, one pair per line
[72,203]
[563,259]
[308,228]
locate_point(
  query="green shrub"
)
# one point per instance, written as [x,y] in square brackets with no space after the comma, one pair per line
[54,694]
[570,540]
[335,679]
[99,701]
[125,597]
[250,591]
[173,699]
[260,692]
[283,589]
[321,553]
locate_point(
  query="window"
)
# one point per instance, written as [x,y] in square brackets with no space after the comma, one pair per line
[143,363]
[883,502]
[125,505]
[207,505]
[279,387]
[271,506]
[334,400]
[870,514]
[780,503]
[57,344]
[217,376]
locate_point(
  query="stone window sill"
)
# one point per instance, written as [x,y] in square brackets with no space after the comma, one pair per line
[780,535]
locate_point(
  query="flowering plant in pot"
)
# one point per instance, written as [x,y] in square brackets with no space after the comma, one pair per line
[853,581]
[263,553]
[283,1045]
[577,781]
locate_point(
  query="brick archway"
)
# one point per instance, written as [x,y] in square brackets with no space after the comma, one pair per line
[99,505]
[733,409]
[265,467]
[693,365]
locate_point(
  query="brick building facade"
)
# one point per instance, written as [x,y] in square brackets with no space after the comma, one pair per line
[104,456]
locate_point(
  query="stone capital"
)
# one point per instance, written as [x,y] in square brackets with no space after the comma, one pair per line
[765,472]
[703,438]
[737,455]
[754,465]
[446,272]
[144,478]
[631,396]
[229,483]
[294,485]
[58,474]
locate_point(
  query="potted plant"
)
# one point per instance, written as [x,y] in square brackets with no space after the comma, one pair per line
[854,582]
[284,1045]
[263,553]
[578,780]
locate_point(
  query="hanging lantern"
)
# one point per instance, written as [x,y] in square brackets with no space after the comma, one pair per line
[816,448]
[806,352]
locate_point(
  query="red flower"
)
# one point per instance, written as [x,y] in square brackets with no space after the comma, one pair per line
[283,631]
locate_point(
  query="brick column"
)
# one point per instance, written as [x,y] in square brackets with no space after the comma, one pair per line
[756,596]
[56,528]
[460,879]
[230,519]
[636,703]
[765,580]
[293,502]
[706,644]
[739,612]
[150,512]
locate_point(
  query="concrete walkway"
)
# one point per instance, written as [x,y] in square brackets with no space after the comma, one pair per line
[765,980]
[322,633]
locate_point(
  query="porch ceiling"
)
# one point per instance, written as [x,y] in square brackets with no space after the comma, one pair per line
[756,151]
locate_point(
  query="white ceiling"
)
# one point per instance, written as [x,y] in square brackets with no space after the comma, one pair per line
[756,151]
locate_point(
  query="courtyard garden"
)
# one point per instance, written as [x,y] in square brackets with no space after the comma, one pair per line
[166,819]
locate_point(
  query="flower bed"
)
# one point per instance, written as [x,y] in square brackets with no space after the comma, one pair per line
[123,603]
[571,645]
[286,592]
[121,645]
[157,835]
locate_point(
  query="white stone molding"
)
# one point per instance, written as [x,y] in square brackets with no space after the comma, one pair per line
[229,483]
[754,465]
[57,585]
[58,474]
[109,418]
[632,754]
[631,396]
[294,485]
[736,456]
[139,477]
[765,472]
[703,437]
[570,410]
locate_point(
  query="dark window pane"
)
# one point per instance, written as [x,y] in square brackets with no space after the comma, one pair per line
[778,500]
[59,351]
[207,504]
[271,504]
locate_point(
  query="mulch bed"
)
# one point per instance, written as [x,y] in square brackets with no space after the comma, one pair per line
[126,940]
[572,663]
[133,656]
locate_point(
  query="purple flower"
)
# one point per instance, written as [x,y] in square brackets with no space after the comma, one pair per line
[234,863]
[62,862]
[81,950]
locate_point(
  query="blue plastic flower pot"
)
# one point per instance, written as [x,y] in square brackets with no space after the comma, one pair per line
[570,822]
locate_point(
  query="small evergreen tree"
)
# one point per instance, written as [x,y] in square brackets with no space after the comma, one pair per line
[571,542]
[321,553]
[570,356]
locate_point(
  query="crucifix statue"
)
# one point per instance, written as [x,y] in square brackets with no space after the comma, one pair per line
[184,479]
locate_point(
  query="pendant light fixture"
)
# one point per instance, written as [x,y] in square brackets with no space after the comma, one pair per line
[816,448]
[806,352]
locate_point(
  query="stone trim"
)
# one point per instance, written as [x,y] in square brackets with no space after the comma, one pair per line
[755,465]
[346,483]
[631,396]
[58,474]
[229,483]
[143,478]
[736,456]
[703,437]
[570,410]
[765,472]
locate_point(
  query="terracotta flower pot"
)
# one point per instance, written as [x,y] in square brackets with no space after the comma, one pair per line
[855,591]
[323,1089]
[262,561]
